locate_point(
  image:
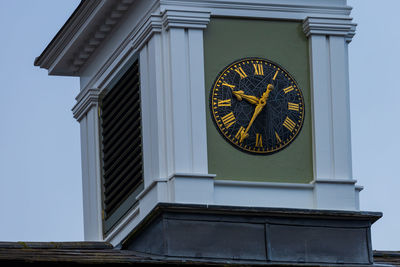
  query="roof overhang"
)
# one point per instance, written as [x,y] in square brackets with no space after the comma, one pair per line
[83,32]
[93,20]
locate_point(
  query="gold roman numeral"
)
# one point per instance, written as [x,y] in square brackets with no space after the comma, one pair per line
[276,74]
[289,124]
[258,69]
[293,106]
[229,85]
[241,73]
[288,89]
[277,137]
[224,103]
[239,133]
[259,140]
[229,119]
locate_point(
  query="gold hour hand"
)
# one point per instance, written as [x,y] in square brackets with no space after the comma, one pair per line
[251,99]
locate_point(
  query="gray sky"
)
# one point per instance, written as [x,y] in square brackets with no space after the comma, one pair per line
[40,169]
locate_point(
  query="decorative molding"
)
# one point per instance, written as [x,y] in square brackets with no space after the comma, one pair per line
[103,29]
[276,6]
[132,214]
[149,24]
[262,184]
[85,100]
[334,181]
[67,33]
[191,175]
[330,26]
[93,21]
[68,45]
[185,19]
[153,24]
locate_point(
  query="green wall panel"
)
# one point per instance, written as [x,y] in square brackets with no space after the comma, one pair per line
[226,40]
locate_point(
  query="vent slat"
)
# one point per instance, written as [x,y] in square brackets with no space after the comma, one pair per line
[120,153]
[129,188]
[115,91]
[120,106]
[121,142]
[122,139]
[113,171]
[122,179]
[126,121]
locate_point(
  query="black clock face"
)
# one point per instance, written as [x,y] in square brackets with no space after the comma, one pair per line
[257,106]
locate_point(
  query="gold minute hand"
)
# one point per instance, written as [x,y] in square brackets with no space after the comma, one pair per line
[251,99]
[262,102]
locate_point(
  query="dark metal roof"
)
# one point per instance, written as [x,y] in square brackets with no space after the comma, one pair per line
[387,257]
[104,254]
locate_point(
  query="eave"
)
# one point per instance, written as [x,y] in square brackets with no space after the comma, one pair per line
[80,36]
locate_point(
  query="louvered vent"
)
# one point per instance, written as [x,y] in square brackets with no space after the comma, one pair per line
[121,146]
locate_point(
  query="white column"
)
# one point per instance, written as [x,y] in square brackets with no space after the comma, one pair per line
[86,112]
[333,178]
[173,110]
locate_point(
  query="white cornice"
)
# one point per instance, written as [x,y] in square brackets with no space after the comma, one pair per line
[65,35]
[288,9]
[85,100]
[81,35]
[103,29]
[94,20]
[153,24]
[330,26]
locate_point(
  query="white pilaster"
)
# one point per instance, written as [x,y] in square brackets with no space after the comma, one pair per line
[172,84]
[333,178]
[86,112]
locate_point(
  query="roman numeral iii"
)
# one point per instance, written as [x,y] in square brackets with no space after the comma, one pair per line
[293,106]
[229,119]
[288,89]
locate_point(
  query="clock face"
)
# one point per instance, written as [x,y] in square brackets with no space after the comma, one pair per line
[257,106]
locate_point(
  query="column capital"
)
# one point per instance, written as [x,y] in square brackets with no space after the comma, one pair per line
[185,19]
[85,100]
[330,26]
[142,35]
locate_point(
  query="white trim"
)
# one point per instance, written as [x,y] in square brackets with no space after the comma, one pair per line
[192,175]
[335,181]
[85,100]
[91,20]
[185,19]
[143,33]
[330,101]
[262,184]
[334,187]
[281,9]
[134,213]
[329,26]
[91,178]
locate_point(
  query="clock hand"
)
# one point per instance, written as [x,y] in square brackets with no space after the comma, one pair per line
[262,102]
[251,99]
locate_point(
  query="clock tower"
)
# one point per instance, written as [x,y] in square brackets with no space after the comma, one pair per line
[216,130]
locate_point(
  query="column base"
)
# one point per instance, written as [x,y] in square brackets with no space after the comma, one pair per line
[217,234]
